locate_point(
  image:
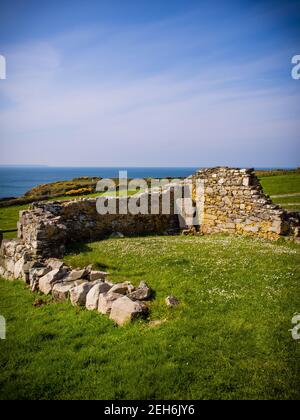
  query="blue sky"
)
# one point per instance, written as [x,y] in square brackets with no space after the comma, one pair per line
[149,83]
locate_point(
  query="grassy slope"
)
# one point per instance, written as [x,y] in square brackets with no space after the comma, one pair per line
[228,339]
[9,217]
[281,184]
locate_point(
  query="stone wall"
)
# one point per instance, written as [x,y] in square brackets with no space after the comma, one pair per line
[234,202]
[47,228]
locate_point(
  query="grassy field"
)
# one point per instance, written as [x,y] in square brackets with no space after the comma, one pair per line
[287,185]
[229,337]
[281,184]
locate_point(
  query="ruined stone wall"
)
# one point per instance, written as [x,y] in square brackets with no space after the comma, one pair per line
[47,228]
[234,202]
[230,201]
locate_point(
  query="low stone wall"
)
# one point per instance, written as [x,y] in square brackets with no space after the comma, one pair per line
[46,228]
[15,259]
[234,202]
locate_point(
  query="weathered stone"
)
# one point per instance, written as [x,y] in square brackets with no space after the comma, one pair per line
[121,288]
[2,271]
[232,197]
[34,276]
[98,275]
[41,271]
[78,275]
[106,300]
[9,265]
[19,269]
[35,264]
[172,301]
[54,263]
[124,310]
[143,292]
[93,295]
[130,289]
[47,282]
[77,282]
[8,247]
[61,291]
[78,294]
[92,298]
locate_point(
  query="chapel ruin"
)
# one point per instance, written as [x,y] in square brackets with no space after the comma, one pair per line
[232,202]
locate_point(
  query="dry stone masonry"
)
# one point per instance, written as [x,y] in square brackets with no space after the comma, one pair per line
[232,202]
[46,228]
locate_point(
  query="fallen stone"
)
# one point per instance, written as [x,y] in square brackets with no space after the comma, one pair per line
[78,275]
[143,292]
[121,288]
[78,294]
[34,276]
[34,264]
[171,301]
[61,291]
[97,275]
[124,310]
[54,263]
[47,282]
[92,297]
[82,281]
[106,300]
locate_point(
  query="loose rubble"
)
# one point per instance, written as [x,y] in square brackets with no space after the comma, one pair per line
[124,310]
[172,301]
[122,302]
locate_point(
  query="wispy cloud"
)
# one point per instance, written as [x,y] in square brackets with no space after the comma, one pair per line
[181,91]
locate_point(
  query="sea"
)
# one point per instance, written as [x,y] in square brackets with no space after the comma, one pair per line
[16,180]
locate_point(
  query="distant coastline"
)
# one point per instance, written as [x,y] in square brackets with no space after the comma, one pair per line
[16,180]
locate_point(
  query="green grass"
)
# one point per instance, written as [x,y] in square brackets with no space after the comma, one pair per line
[9,217]
[281,184]
[291,203]
[287,199]
[228,339]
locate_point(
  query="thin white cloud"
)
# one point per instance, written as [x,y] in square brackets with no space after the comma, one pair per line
[147,95]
